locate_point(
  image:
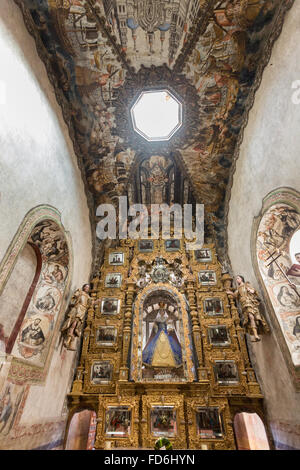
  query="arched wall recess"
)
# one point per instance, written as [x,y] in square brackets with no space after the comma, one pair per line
[250,432]
[32,340]
[156,309]
[272,232]
[81,430]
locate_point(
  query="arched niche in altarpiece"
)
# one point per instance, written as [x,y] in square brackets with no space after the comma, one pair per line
[161,346]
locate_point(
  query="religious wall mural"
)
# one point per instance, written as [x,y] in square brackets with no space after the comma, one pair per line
[278,248]
[28,335]
[156,177]
[12,400]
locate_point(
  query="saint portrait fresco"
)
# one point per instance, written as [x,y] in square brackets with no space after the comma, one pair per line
[55,274]
[163,421]
[117,421]
[11,398]
[33,336]
[287,297]
[47,299]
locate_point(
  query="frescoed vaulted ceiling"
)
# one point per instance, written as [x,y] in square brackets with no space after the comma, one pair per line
[211,54]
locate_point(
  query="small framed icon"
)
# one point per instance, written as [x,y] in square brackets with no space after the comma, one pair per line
[226,372]
[172,245]
[213,306]
[207,278]
[101,372]
[110,306]
[209,423]
[163,421]
[113,280]
[106,335]
[146,246]
[118,421]
[218,335]
[116,258]
[203,256]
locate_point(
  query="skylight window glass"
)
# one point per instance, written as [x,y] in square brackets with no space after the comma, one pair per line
[156,115]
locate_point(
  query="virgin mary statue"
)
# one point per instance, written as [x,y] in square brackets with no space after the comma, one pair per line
[163,348]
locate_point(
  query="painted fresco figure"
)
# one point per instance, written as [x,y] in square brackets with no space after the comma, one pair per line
[249,301]
[288,298]
[33,334]
[5,409]
[296,329]
[47,302]
[294,270]
[3,339]
[163,348]
[72,327]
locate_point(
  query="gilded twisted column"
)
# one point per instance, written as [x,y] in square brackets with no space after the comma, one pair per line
[191,296]
[130,291]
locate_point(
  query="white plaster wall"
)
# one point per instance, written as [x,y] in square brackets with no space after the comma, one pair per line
[37,161]
[37,166]
[270,158]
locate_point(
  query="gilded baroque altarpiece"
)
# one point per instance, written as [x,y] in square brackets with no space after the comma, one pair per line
[164,353]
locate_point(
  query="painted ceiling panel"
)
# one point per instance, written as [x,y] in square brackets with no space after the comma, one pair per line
[210,53]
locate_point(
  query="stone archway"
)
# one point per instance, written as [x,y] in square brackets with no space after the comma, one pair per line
[250,432]
[81,431]
[30,334]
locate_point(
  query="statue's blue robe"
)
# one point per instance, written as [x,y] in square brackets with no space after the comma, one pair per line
[173,341]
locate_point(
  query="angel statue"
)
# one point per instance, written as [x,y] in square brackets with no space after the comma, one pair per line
[72,327]
[249,301]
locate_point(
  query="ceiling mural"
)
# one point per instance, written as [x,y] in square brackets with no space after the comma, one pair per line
[210,54]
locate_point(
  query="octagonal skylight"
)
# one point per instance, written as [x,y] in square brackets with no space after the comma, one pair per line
[156,115]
